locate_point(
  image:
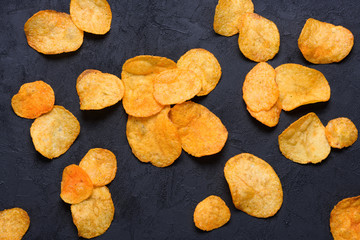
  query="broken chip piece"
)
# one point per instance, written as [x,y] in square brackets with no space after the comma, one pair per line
[341,132]
[270,117]
[14,223]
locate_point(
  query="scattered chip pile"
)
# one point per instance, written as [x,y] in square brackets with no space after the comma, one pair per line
[14,223]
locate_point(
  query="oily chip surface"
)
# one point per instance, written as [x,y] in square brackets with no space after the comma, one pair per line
[14,223]
[322,42]
[52,32]
[254,185]
[211,213]
[270,117]
[54,132]
[341,132]
[33,100]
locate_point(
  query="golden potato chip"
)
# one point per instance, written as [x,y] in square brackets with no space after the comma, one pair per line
[211,213]
[304,141]
[254,185]
[205,65]
[14,223]
[98,90]
[76,185]
[201,132]
[93,216]
[299,85]
[227,15]
[176,86]
[101,165]
[259,38]
[154,139]
[341,132]
[52,32]
[93,16]
[322,42]
[54,132]
[33,100]
[270,117]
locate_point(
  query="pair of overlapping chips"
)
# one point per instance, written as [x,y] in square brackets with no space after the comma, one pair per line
[14,223]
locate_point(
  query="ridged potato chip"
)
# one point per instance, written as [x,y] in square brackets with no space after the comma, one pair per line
[201,132]
[323,43]
[205,65]
[270,117]
[227,15]
[211,213]
[304,141]
[98,90]
[254,185]
[14,223]
[341,132]
[33,100]
[52,32]
[93,16]
[259,38]
[299,85]
[54,132]
[93,216]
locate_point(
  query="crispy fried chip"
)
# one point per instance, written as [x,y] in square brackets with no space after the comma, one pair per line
[154,139]
[101,165]
[14,223]
[341,132]
[255,187]
[201,132]
[205,65]
[93,16]
[259,38]
[93,216]
[304,141]
[299,85]
[322,43]
[98,90]
[270,117]
[51,32]
[211,213]
[54,132]
[33,100]
[227,15]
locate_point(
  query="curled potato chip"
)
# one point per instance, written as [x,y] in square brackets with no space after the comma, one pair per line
[52,32]
[201,132]
[211,213]
[93,16]
[227,15]
[304,141]
[33,100]
[14,223]
[54,132]
[98,90]
[254,185]
[341,132]
[93,216]
[270,117]
[299,85]
[259,38]
[322,42]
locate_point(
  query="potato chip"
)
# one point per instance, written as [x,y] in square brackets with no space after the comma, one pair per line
[201,132]
[270,117]
[322,42]
[93,216]
[154,139]
[54,132]
[304,141]
[227,15]
[211,213]
[93,16]
[341,132]
[101,165]
[254,185]
[52,32]
[259,38]
[299,85]
[33,100]
[98,90]
[14,223]
[205,65]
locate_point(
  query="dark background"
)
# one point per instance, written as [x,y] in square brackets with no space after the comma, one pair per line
[154,203]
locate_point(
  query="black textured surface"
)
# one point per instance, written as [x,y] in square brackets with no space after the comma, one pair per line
[154,203]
